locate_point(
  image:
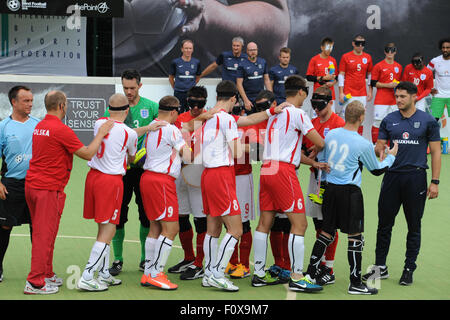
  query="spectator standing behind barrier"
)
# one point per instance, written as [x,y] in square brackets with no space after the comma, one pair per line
[253,76]
[279,73]
[142,112]
[184,73]
[54,144]
[405,183]
[441,67]
[229,60]
[16,132]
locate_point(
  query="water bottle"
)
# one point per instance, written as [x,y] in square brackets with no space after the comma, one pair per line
[331,68]
[346,98]
[445,145]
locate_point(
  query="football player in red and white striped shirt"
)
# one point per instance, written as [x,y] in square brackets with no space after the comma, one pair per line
[104,190]
[220,145]
[280,190]
[385,76]
[162,166]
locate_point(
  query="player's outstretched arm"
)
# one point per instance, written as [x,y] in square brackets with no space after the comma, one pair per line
[236,148]
[151,127]
[315,138]
[370,161]
[87,152]
[213,66]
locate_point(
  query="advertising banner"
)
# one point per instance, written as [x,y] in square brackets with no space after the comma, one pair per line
[44,45]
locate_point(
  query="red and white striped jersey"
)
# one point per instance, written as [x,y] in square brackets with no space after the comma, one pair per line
[163,150]
[217,132]
[284,135]
[111,157]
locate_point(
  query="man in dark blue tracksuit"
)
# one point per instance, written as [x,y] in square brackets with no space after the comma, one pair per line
[405,183]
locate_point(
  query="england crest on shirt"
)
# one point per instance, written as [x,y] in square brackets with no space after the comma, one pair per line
[396,70]
[364,60]
[423,76]
[260,66]
[144,113]
[417,125]
[192,66]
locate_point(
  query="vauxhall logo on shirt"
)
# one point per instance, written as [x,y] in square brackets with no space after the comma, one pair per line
[405,137]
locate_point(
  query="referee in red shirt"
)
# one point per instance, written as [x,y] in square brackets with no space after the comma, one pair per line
[54,144]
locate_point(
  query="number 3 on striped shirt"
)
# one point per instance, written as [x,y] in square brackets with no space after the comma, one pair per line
[344,149]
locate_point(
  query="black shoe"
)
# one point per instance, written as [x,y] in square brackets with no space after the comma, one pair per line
[407,277]
[180,267]
[192,272]
[325,276]
[116,268]
[361,288]
[142,266]
[376,272]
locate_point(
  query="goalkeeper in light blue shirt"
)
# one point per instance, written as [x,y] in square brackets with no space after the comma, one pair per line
[16,134]
[346,152]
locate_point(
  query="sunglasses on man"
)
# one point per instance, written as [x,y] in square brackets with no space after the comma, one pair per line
[359,43]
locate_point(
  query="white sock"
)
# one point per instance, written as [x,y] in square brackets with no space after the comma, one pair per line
[104,267]
[95,259]
[210,245]
[224,254]
[296,248]
[162,251]
[260,245]
[150,245]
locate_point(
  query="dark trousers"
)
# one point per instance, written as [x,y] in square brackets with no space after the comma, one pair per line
[410,190]
[182,96]
[131,182]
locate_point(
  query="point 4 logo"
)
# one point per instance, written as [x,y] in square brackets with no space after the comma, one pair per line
[102,7]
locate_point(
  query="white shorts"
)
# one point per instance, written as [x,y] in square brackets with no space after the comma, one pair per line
[363,100]
[380,112]
[422,104]
[244,192]
[313,210]
[189,199]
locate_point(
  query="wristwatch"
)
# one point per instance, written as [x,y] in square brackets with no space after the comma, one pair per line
[435,181]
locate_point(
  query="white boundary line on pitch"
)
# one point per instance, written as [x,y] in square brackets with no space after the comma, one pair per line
[81,237]
[291,295]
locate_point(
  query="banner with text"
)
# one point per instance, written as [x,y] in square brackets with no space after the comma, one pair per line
[85,103]
[86,8]
[45,45]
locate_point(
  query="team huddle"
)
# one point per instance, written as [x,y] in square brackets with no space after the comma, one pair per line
[181,160]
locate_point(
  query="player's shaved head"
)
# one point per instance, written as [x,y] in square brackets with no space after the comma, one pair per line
[53,99]
[118,100]
[354,111]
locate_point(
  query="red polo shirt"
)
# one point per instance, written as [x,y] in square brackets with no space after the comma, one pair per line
[54,144]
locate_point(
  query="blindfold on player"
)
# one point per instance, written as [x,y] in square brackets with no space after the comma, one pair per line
[320,102]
